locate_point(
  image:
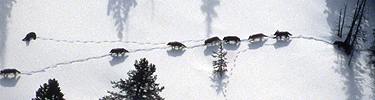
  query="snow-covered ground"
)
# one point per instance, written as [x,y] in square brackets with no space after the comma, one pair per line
[75,37]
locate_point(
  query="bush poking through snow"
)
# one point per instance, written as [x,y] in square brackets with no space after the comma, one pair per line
[50,91]
[139,86]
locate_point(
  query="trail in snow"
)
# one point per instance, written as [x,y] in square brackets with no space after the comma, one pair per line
[116,41]
[185,41]
[311,38]
[219,84]
[258,44]
[99,57]
[262,44]
[151,49]
[79,41]
[64,63]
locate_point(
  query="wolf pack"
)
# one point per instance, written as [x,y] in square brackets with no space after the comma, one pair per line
[175,45]
[279,35]
[119,52]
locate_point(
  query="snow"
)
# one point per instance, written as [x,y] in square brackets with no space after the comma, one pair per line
[75,37]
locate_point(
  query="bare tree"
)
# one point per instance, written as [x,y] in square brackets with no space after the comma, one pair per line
[359,11]
[341,22]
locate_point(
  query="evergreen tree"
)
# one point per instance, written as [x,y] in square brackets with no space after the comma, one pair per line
[139,86]
[220,65]
[50,91]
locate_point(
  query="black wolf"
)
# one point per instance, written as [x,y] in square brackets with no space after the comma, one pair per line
[6,72]
[212,41]
[176,45]
[29,36]
[118,51]
[280,34]
[259,36]
[342,45]
[227,39]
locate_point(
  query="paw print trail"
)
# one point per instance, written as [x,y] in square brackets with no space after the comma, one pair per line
[298,37]
[99,42]
[102,56]
[312,38]
[64,63]
[116,41]
[147,49]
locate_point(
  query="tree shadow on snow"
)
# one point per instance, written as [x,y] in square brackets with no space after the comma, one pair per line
[208,9]
[9,81]
[120,10]
[5,9]
[117,60]
[256,44]
[219,83]
[175,53]
[351,74]
[281,43]
[209,49]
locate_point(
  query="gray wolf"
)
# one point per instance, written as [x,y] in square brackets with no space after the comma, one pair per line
[228,39]
[212,41]
[6,72]
[280,34]
[176,45]
[259,36]
[29,36]
[118,51]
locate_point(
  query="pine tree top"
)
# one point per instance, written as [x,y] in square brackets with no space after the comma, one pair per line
[49,91]
[140,84]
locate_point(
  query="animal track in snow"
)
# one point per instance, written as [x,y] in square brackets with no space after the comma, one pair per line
[116,41]
[148,49]
[64,63]
[312,38]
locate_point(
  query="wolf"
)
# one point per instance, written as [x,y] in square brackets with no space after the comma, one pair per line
[228,39]
[280,34]
[176,45]
[118,51]
[342,45]
[212,41]
[29,36]
[6,72]
[259,36]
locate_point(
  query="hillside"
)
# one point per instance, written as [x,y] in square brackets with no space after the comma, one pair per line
[75,37]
